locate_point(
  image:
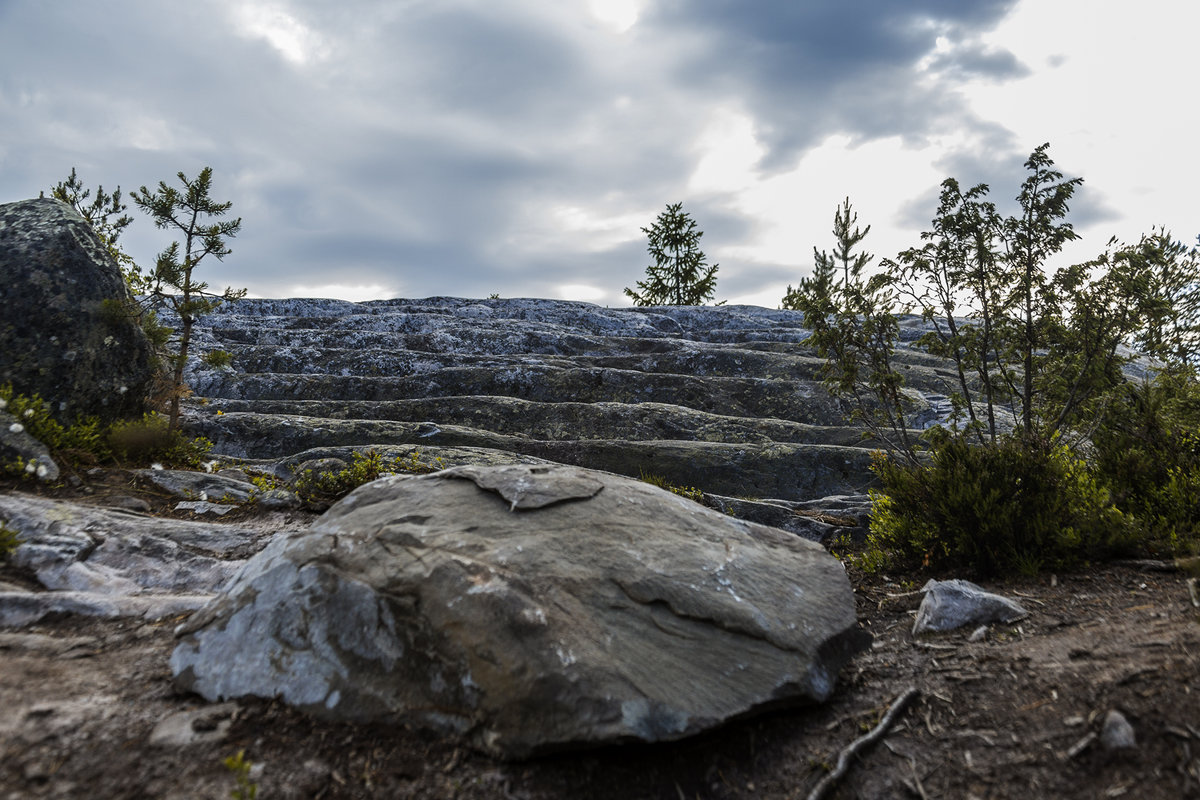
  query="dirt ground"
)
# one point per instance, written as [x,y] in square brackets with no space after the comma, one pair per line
[1012,716]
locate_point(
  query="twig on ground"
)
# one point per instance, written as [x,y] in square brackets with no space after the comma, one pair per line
[1079,746]
[867,739]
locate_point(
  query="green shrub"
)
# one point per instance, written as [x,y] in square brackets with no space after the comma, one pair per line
[690,492]
[240,766]
[150,439]
[217,358]
[1148,454]
[1012,506]
[87,441]
[321,489]
[8,540]
[82,442]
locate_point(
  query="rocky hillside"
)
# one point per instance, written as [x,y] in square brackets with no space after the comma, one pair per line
[726,399]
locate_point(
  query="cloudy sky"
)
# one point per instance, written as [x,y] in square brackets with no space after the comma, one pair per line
[408,148]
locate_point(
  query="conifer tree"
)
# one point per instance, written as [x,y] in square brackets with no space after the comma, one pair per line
[172,281]
[679,275]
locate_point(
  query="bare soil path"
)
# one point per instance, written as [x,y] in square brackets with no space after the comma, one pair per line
[1011,716]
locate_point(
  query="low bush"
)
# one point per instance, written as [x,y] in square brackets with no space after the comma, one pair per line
[150,439]
[690,492]
[1014,506]
[1148,454]
[8,540]
[87,442]
[320,489]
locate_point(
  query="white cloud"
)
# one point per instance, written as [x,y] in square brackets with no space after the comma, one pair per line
[619,15]
[271,22]
[579,291]
[355,293]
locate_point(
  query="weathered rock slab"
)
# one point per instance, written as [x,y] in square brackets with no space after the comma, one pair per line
[528,609]
[110,563]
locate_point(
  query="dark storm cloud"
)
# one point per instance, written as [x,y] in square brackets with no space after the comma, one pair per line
[424,145]
[811,69]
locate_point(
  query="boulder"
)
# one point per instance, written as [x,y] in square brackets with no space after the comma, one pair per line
[61,328]
[528,609]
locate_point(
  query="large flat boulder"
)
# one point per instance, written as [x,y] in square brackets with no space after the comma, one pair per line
[62,331]
[528,609]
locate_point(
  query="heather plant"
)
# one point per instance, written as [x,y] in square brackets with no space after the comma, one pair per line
[318,489]
[152,440]
[8,540]
[87,442]
[1015,506]
[1148,454]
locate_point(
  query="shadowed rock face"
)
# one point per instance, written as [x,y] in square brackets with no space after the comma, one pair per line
[529,609]
[57,339]
[727,399]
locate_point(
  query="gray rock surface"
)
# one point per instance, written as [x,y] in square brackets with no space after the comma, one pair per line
[530,608]
[727,399]
[111,563]
[58,338]
[192,485]
[953,604]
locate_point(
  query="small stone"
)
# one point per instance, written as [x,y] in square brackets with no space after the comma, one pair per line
[129,503]
[207,725]
[949,605]
[1117,733]
[979,634]
[277,500]
[204,507]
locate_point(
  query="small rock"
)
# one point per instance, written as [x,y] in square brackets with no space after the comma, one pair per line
[1117,733]
[277,500]
[129,504]
[207,725]
[204,507]
[191,485]
[949,605]
[979,634]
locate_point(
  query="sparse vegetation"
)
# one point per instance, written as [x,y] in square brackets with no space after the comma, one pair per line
[1090,469]
[240,766]
[8,540]
[87,442]
[690,492]
[320,489]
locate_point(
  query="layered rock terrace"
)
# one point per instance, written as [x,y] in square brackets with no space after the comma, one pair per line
[726,399]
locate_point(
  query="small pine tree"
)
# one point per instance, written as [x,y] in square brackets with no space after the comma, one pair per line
[172,281]
[679,275]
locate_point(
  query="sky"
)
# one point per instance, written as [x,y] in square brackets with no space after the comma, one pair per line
[413,148]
